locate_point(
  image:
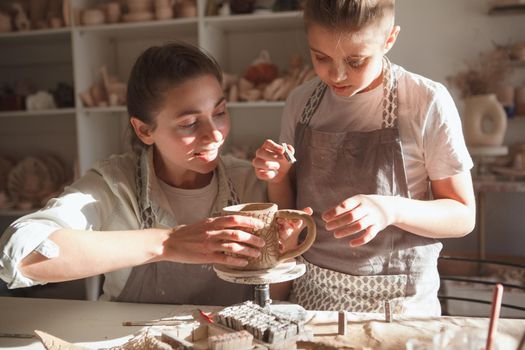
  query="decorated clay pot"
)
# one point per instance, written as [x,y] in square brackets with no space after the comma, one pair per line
[485,121]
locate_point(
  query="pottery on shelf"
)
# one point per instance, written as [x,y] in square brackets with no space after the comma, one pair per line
[138,17]
[163,9]
[139,5]
[66,12]
[92,17]
[113,12]
[186,8]
[485,121]
[519,98]
[5,23]
[29,182]
[40,101]
[21,21]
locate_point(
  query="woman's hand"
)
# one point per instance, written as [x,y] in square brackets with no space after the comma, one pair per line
[371,213]
[206,242]
[289,231]
[270,162]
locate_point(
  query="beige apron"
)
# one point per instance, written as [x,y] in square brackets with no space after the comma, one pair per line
[396,266]
[177,283]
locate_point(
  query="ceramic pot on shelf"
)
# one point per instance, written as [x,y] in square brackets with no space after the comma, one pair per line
[5,22]
[485,121]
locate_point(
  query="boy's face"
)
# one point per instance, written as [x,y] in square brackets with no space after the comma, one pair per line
[349,62]
[190,129]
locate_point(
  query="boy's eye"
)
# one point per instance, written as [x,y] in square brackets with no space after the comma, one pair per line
[220,114]
[355,64]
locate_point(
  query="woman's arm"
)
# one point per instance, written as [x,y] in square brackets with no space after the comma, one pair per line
[88,253]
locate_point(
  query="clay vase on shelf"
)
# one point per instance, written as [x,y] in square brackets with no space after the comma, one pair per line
[242,6]
[92,17]
[485,121]
[186,8]
[5,22]
[163,9]
[519,97]
[113,12]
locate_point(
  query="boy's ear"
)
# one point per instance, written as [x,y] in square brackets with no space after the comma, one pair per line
[392,37]
[142,130]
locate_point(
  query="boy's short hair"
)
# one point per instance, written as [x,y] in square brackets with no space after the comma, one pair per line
[348,15]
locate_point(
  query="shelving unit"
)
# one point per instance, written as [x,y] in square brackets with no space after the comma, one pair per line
[507,10]
[75,54]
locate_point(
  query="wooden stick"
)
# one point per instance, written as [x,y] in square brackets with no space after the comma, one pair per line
[17,335]
[494,315]
[521,345]
[153,323]
[342,329]
[388,311]
[165,321]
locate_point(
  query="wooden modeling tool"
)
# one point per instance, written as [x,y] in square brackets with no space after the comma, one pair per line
[288,154]
[494,315]
[388,311]
[341,323]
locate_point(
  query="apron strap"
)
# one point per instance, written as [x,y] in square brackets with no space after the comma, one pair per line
[146,216]
[313,103]
[390,100]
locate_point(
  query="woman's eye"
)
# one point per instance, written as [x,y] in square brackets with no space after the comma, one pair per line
[188,126]
[321,59]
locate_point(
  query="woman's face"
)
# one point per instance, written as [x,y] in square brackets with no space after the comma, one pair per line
[348,63]
[190,129]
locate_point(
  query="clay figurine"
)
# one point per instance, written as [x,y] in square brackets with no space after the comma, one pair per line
[21,21]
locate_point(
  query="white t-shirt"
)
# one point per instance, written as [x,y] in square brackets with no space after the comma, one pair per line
[429,125]
[191,206]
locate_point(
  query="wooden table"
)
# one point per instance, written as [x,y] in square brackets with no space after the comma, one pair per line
[99,324]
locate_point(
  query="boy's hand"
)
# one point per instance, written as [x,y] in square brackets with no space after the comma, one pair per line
[289,231]
[369,213]
[270,162]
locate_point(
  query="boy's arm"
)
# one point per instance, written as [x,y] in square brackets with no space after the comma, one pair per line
[282,193]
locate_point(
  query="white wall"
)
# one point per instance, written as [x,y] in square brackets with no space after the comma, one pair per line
[436,39]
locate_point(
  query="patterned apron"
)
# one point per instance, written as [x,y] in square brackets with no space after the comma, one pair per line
[396,266]
[177,283]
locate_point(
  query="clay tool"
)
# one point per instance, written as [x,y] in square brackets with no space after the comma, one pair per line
[494,315]
[17,335]
[341,324]
[207,316]
[288,154]
[388,311]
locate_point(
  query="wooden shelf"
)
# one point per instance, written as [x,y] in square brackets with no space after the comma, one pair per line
[15,212]
[40,34]
[136,30]
[253,22]
[256,104]
[498,185]
[41,113]
[109,109]
[507,10]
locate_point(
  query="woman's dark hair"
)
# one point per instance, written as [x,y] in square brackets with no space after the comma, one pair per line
[347,15]
[159,69]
